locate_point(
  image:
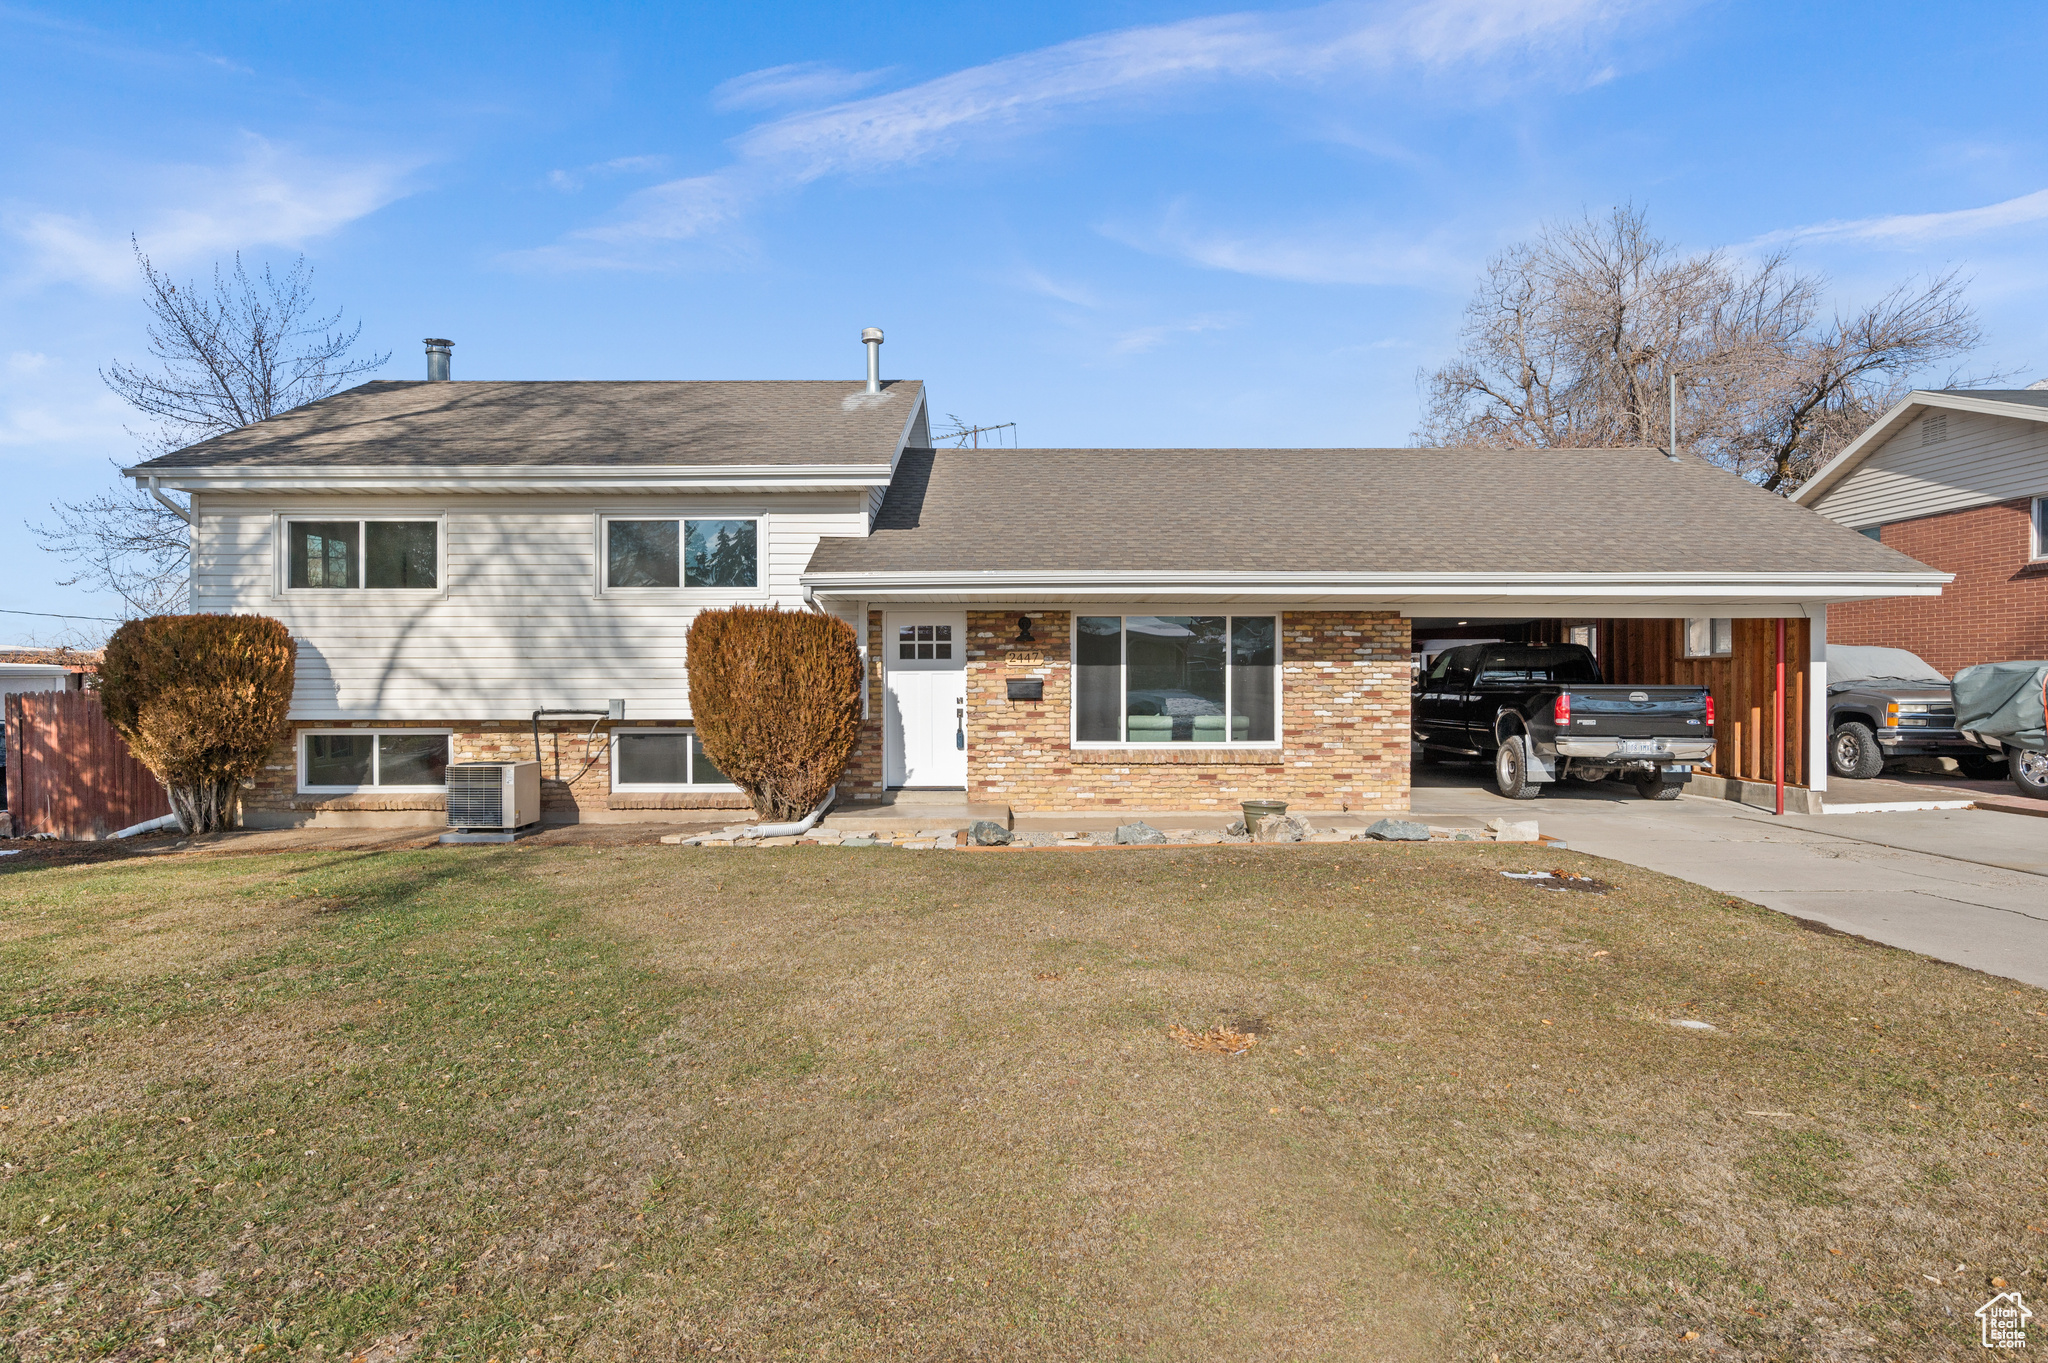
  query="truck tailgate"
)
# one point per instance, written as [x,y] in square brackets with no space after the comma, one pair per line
[1638,712]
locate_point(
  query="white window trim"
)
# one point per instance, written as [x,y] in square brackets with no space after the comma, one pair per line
[1275,744]
[1685,638]
[599,536]
[2037,529]
[299,759]
[649,788]
[281,556]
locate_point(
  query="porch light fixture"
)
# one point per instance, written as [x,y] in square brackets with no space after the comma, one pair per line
[1024,631]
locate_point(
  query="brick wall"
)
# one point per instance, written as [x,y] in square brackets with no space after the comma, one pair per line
[1996,609]
[576,778]
[1344,725]
[863,780]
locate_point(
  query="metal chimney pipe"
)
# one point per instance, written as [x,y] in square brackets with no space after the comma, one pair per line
[872,339]
[438,352]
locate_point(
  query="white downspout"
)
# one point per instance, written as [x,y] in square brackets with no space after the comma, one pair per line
[792,830]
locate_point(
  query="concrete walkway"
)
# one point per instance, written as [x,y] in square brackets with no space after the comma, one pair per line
[1967,886]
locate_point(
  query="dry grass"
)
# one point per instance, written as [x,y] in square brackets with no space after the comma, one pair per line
[608,1103]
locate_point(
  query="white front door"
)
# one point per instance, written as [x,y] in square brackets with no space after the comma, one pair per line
[926,723]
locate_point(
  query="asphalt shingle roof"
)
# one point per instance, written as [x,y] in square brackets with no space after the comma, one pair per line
[1369,511]
[397,424]
[2030,397]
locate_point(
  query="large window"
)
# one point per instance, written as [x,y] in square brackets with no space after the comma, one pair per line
[662,760]
[682,553]
[1705,638]
[366,759]
[1176,678]
[339,555]
[2040,528]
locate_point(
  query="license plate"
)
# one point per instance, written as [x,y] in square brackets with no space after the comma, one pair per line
[1629,747]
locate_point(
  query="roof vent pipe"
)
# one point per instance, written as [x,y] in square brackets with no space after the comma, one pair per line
[872,339]
[437,359]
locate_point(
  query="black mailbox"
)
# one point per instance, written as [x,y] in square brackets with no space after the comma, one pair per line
[1027,688]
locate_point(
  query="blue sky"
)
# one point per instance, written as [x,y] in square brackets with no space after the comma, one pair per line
[1122,224]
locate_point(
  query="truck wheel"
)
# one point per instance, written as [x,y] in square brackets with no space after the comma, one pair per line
[1853,752]
[2029,772]
[1985,768]
[1511,770]
[1653,787]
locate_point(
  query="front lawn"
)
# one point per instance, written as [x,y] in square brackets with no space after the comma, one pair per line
[533,1102]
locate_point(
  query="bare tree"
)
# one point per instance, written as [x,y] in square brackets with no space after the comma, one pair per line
[1572,338]
[246,349]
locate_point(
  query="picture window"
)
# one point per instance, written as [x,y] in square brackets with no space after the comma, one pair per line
[1208,679]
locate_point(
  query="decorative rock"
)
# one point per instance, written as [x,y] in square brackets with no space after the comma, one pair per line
[1504,831]
[1130,834]
[790,841]
[987,833]
[1284,828]
[1235,828]
[1334,835]
[858,841]
[1397,830]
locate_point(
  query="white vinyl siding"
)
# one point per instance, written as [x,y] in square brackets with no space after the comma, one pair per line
[1979,461]
[519,623]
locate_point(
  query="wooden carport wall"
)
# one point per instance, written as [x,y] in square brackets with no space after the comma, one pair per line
[1652,653]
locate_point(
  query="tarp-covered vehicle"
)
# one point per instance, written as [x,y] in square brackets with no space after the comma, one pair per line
[1885,705]
[2000,707]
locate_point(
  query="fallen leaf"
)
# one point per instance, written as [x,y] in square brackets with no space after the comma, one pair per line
[1218,1040]
[1690,1334]
[1998,1283]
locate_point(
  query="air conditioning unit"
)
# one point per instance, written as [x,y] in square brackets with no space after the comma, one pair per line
[493,795]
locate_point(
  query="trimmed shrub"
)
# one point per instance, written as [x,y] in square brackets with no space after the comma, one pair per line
[776,695]
[201,699]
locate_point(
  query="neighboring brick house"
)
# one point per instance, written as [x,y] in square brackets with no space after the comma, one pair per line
[1050,630]
[1957,479]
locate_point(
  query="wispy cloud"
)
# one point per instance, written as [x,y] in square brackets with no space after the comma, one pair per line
[1337,45]
[268,196]
[1327,254]
[1917,229]
[569,181]
[1138,340]
[788,87]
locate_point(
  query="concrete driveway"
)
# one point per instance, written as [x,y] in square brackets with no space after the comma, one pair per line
[1967,886]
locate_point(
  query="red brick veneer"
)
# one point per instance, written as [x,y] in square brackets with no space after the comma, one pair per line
[1996,609]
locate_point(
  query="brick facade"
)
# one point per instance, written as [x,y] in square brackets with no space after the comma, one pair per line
[576,780]
[1996,609]
[1343,711]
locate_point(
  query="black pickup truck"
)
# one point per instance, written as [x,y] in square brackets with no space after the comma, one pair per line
[1540,713]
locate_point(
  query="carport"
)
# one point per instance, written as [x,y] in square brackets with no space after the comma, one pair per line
[1768,724]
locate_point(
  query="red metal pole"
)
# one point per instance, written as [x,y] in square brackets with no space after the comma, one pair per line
[1778,719]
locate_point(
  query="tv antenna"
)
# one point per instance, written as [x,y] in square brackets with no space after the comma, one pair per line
[965,436]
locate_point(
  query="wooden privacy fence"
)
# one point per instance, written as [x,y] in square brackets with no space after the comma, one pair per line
[69,774]
[1652,653]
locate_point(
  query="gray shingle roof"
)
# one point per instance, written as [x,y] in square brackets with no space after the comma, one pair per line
[2030,397]
[1360,511]
[398,424]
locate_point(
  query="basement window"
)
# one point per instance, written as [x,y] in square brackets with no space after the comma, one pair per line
[344,761]
[653,761]
[1705,638]
[1195,679]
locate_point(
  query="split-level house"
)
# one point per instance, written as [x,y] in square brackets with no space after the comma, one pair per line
[1144,629]
[1958,479]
